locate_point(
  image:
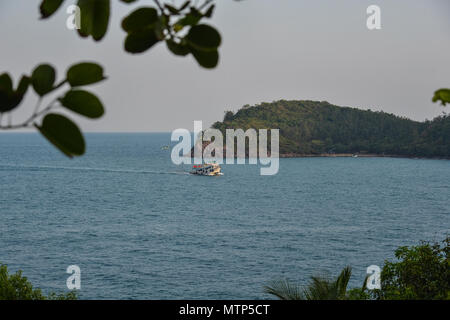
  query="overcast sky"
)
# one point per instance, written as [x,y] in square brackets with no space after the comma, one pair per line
[272,49]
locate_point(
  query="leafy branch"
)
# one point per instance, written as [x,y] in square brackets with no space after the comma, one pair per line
[28,122]
[58,129]
[147,26]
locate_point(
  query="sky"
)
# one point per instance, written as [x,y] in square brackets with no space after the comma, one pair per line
[272,49]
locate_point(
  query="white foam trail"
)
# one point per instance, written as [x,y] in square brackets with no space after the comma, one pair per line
[93,169]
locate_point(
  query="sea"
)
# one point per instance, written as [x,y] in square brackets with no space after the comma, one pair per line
[140,227]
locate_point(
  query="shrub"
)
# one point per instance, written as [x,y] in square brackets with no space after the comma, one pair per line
[17,287]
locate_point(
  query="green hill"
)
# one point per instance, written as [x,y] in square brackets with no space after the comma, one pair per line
[312,127]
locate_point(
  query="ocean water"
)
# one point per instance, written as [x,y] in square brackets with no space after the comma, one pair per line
[140,227]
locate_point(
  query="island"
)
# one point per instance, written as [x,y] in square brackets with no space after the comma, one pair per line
[318,128]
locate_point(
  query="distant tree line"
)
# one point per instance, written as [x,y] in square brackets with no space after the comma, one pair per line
[312,127]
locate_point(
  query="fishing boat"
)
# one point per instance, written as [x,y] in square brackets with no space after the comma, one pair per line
[207,169]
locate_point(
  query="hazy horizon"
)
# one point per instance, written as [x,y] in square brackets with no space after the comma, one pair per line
[271,50]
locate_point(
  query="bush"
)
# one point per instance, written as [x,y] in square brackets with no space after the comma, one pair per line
[17,287]
[421,272]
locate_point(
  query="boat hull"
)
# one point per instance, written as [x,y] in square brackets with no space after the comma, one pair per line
[207,170]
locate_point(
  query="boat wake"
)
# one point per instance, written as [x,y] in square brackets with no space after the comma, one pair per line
[91,169]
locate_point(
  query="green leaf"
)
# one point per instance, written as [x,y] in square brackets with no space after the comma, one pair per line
[160,27]
[6,88]
[442,95]
[177,27]
[49,7]
[190,19]
[177,48]
[140,41]
[172,9]
[195,12]
[94,18]
[63,134]
[184,5]
[84,73]
[9,98]
[207,59]
[204,37]
[4,101]
[18,95]
[83,102]
[6,84]
[139,19]
[210,11]
[43,79]
[24,83]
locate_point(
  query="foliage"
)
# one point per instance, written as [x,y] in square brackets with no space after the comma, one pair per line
[442,95]
[325,289]
[179,27]
[228,116]
[72,295]
[319,288]
[17,287]
[285,290]
[359,294]
[420,272]
[182,29]
[312,127]
[57,128]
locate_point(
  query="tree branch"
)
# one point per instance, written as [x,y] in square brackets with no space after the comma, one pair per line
[27,123]
[159,5]
[205,4]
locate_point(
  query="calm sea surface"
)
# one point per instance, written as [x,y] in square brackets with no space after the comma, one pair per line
[140,227]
